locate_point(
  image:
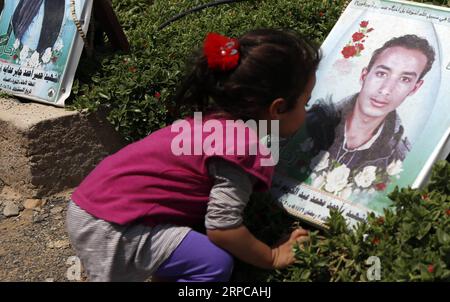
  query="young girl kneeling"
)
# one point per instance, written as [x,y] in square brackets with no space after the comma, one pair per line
[134,215]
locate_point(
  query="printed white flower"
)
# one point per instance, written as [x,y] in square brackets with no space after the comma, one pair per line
[16,44]
[346,193]
[320,161]
[24,53]
[317,181]
[34,60]
[307,145]
[47,55]
[394,168]
[366,177]
[58,45]
[337,179]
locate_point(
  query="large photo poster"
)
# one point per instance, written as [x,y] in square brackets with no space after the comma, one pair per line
[40,47]
[379,114]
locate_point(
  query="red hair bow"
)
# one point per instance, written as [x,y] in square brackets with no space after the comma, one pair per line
[221,52]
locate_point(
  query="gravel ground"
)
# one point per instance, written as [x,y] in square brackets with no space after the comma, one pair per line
[34,245]
[33,242]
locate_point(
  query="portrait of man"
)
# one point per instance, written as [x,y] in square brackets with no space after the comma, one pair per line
[42,17]
[364,129]
[34,27]
[40,46]
[378,117]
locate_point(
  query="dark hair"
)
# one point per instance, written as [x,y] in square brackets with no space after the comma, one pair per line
[411,42]
[273,64]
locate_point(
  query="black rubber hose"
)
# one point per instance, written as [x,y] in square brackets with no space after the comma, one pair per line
[196,9]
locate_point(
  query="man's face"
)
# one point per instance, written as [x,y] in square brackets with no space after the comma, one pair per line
[393,77]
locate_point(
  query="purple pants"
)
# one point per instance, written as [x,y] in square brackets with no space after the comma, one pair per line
[196,259]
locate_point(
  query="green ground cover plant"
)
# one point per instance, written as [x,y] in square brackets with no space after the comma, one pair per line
[136,88]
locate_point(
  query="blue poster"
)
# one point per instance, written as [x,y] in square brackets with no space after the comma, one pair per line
[40,47]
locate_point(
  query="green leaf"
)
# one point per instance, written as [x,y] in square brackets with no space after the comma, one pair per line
[443,237]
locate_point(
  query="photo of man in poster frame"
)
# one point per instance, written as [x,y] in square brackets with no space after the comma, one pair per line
[378,116]
[40,46]
[353,147]
[363,135]
[35,27]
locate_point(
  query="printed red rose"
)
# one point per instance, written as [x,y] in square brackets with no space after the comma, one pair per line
[359,46]
[379,186]
[380,220]
[364,23]
[425,197]
[349,51]
[448,212]
[157,95]
[358,36]
[321,14]
[375,241]
[431,268]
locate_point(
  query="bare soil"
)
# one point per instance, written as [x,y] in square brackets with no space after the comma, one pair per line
[33,244]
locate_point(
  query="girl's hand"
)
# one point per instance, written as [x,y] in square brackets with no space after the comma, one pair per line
[282,253]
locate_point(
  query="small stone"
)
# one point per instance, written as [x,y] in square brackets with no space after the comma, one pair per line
[39,218]
[58,244]
[56,210]
[11,209]
[32,203]
[27,215]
